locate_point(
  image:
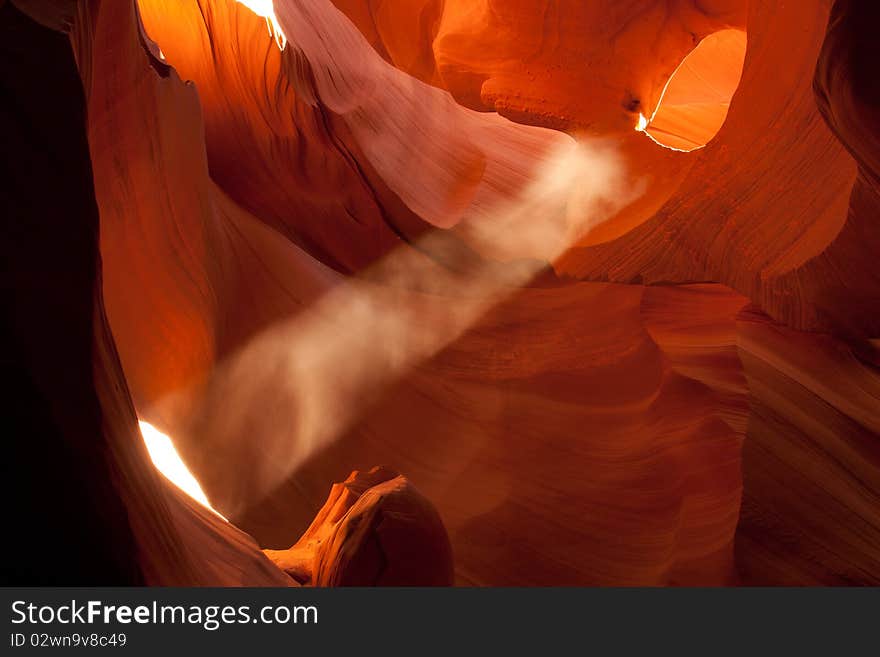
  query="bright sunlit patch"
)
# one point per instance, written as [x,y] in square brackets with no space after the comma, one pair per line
[266,9]
[696,98]
[168,462]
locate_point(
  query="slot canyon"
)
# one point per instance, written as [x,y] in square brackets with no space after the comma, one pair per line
[441,292]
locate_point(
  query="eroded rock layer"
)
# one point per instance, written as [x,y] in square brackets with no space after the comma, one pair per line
[375,529]
[428,235]
[811,462]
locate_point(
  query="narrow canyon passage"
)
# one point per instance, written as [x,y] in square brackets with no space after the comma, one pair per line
[592,282]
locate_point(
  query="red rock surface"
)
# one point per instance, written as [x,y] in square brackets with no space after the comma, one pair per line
[375,529]
[810,462]
[428,235]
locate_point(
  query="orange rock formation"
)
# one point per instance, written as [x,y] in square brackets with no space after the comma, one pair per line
[598,278]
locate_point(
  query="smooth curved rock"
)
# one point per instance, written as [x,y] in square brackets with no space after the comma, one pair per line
[428,234]
[375,529]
